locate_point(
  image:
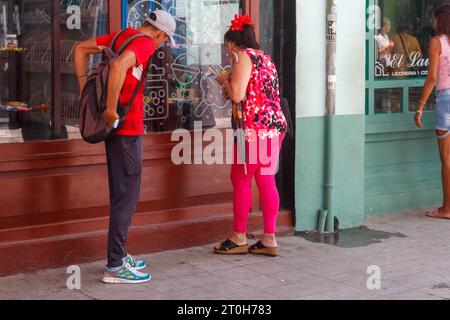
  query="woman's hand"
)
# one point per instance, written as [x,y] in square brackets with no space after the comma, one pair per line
[418,119]
[222,77]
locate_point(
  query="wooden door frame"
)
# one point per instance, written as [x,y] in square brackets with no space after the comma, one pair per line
[251,8]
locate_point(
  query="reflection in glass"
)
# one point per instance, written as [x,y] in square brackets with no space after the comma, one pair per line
[414,97]
[83,20]
[181,88]
[402,41]
[25,65]
[388,100]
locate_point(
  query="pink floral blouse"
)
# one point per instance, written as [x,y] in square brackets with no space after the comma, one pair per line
[263,115]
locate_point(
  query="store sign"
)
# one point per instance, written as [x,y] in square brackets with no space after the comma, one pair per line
[74,20]
[402,66]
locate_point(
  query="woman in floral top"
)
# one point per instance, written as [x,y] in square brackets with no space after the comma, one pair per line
[254,83]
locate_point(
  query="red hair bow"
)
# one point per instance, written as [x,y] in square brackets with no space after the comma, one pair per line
[240,22]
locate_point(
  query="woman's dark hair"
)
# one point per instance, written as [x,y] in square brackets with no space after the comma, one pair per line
[405,26]
[442,15]
[243,39]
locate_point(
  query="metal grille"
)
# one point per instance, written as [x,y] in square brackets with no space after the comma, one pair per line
[69,108]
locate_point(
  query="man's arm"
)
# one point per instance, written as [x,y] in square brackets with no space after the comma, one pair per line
[116,79]
[81,54]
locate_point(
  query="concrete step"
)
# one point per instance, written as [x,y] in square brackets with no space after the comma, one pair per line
[63,243]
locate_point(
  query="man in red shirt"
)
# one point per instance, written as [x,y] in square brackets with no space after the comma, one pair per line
[124,148]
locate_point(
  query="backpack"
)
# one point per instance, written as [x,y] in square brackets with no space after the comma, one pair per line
[92,102]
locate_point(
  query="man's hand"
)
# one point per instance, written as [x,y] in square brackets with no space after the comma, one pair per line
[110,117]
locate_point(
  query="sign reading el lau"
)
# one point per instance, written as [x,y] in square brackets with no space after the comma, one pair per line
[400,42]
[402,66]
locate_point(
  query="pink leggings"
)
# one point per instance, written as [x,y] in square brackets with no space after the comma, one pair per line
[263,168]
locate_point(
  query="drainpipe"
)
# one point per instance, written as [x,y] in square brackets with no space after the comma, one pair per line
[326,215]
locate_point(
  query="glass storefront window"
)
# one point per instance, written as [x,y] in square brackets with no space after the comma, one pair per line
[414,98]
[26,70]
[83,20]
[401,42]
[180,88]
[398,37]
[388,100]
[26,64]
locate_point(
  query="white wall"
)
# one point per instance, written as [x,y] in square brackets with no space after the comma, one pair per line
[311,58]
[310,69]
[351,57]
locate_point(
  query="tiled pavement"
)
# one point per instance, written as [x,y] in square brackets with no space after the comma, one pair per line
[412,252]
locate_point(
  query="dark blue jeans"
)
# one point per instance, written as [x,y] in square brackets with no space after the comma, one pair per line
[124,159]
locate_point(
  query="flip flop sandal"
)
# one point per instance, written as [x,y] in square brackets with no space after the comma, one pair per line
[260,248]
[229,247]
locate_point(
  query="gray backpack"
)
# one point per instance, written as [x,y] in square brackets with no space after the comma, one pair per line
[93,98]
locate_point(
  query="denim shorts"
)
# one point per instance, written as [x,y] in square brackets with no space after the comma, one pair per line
[443,110]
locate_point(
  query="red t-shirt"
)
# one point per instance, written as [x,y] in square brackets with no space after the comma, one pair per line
[143,48]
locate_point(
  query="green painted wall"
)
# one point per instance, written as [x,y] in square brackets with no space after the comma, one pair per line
[349,191]
[402,166]
[350,109]
[383,163]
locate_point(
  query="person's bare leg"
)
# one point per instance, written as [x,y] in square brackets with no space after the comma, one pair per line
[444,150]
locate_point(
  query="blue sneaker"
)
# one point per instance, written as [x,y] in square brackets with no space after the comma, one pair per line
[125,275]
[135,263]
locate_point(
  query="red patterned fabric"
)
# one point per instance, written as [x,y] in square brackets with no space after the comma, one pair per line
[263,115]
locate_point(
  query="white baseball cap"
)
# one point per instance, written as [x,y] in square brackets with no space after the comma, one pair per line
[165,22]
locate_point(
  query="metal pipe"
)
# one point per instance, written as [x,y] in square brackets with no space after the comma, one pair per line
[329,174]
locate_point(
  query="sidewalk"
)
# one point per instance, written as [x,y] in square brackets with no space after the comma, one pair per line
[412,252]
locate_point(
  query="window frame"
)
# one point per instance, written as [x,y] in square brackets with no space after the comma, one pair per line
[373,84]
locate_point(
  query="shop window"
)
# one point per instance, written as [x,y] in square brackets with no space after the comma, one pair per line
[26,47]
[402,41]
[398,36]
[414,97]
[181,88]
[388,100]
[91,23]
[25,32]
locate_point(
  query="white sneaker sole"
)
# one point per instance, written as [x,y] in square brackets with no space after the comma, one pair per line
[111,280]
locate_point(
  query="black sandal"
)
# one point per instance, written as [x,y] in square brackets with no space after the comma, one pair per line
[229,247]
[260,248]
